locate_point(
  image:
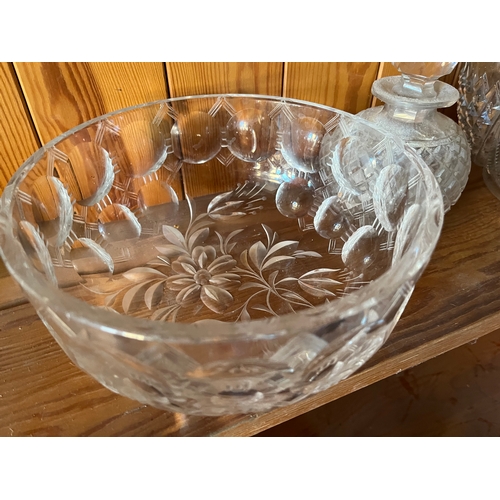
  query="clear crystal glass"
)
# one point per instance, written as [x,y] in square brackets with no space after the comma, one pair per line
[239,300]
[479,117]
[410,112]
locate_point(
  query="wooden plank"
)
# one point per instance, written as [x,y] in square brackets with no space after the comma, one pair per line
[61,96]
[11,294]
[343,86]
[456,301]
[195,78]
[18,139]
[456,394]
[385,69]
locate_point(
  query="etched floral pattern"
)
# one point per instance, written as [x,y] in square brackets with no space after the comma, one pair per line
[204,276]
[262,257]
[190,274]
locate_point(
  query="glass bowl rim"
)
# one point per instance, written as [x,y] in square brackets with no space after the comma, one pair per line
[64,304]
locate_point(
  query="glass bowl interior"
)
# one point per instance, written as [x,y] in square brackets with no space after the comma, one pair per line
[219,219]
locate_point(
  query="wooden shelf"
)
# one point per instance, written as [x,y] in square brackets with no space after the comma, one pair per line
[456,301]
[456,394]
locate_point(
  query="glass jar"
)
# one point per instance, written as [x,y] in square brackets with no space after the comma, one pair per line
[410,112]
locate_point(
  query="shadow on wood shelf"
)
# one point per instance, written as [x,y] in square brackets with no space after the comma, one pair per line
[455,394]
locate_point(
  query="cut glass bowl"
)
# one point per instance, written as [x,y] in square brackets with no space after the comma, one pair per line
[221,254]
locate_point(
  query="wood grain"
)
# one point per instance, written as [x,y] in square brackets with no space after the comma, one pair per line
[195,78]
[456,394]
[456,301]
[61,96]
[345,86]
[18,139]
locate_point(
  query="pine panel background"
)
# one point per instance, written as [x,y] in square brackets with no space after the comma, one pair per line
[39,101]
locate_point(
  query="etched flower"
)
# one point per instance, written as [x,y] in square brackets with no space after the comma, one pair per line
[204,276]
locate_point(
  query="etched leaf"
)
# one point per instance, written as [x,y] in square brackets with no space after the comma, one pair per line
[188,295]
[244,259]
[269,233]
[198,237]
[315,291]
[272,278]
[303,253]
[199,225]
[153,295]
[109,300]
[192,208]
[171,251]
[133,296]
[222,246]
[274,260]
[231,235]
[159,262]
[257,253]
[215,298]
[281,245]
[178,282]
[244,316]
[139,274]
[245,286]
[173,313]
[295,297]
[290,278]
[319,283]
[222,207]
[158,313]
[229,276]
[226,281]
[320,272]
[164,312]
[174,236]
[222,264]
[187,267]
[221,198]
[264,309]
[233,215]
[229,204]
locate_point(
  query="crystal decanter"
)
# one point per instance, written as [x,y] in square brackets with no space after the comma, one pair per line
[410,112]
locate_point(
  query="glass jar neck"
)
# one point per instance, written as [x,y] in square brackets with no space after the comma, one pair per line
[407,113]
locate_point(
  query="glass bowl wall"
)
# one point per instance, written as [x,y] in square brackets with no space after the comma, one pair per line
[278,269]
